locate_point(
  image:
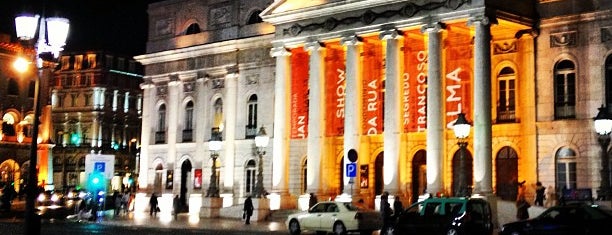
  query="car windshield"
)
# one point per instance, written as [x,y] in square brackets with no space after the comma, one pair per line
[351,207]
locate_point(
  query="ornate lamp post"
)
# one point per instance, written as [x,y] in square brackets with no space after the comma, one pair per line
[603,127]
[461,128]
[51,39]
[261,142]
[214,145]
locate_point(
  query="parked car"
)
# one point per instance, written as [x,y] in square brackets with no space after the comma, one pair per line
[575,219]
[450,216]
[334,217]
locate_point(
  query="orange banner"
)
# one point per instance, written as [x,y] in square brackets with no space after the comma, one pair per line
[335,89]
[299,93]
[414,83]
[373,96]
[457,78]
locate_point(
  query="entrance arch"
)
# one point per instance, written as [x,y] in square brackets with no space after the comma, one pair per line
[185,174]
[469,170]
[419,174]
[506,165]
[10,172]
[378,174]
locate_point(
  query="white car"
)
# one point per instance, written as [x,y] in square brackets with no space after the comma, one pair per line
[335,217]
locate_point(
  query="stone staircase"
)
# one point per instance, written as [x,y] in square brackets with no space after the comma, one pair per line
[280,215]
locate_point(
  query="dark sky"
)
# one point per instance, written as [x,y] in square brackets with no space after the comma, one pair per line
[118,26]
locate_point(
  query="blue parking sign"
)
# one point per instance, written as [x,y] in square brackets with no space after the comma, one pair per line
[351,170]
[99,166]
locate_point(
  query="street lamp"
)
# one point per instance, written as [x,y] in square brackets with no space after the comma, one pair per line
[214,145]
[461,128]
[51,39]
[603,127]
[261,142]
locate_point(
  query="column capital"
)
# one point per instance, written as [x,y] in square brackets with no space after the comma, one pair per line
[279,51]
[433,27]
[352,40]
[390,34]
[314,45]
[481,19]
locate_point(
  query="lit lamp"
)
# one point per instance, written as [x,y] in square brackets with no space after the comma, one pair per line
[461,128]
[25,27]
[603,127]
[214,145]
[261,142]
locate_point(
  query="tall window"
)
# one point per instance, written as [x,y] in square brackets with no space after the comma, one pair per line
[31,89]
[13,87]
[189,116]
[565,89]
[506,103]
[218,115]
[566,168]
[161,120]
[249,178]
[188,129]
[609,83]
[251,128]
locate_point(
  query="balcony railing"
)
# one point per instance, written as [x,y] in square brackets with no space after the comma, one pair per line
[160,137]
[187,135]
[250,132]
[506,116]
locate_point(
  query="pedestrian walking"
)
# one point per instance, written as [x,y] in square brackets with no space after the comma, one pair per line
[385,213]
[397,207]
[539,199]
[248,210]
[176,205]
[521,208]
[312,201]
[124,202]
[153,205]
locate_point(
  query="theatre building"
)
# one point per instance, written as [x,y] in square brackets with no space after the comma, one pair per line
[366,94]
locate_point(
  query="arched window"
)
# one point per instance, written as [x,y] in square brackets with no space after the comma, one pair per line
[218,116]
[188,129]
[13,87]
[565,89]
[249,176]
[566,168]
[506,103]
[609,83]
[193,29]
[251,128]
[254,17]
[8,124]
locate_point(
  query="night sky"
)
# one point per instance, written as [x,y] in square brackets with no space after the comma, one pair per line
[117,26]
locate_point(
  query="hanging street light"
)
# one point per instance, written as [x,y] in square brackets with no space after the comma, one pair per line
[52,34]
[603,127]
[461,129]
[261,142]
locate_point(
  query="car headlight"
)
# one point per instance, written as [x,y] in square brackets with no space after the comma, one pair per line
[42,197]
[54,198]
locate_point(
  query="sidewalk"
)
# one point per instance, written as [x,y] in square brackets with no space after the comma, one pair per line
[186,221]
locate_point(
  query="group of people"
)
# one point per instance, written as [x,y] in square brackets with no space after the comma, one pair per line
[154,206]
[389,214]
[522,205]
[122,202]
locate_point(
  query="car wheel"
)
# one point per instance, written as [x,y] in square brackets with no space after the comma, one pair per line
[452,231]
[294,227]
[339,228]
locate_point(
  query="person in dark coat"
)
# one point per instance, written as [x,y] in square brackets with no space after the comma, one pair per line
[521,208]
[386,213]
[312,201]
[397,207]
[153,205]
[248,210]
[540,189]
[176,205]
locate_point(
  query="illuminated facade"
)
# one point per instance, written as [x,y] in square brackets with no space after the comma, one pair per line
[16,107]
[384,81]
[97,107]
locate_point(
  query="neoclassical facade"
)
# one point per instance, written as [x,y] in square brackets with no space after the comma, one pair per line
[382,82]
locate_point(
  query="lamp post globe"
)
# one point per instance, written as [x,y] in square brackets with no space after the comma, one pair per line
[214,146]
[51,39]
[461,129]
[603,126]
[261,142]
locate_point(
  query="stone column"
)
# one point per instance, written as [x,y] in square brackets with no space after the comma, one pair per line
[392,108]
[482,112]
[282,112]
[316,97]
[352,108]
[148,98]
[435,109]
[229,113]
